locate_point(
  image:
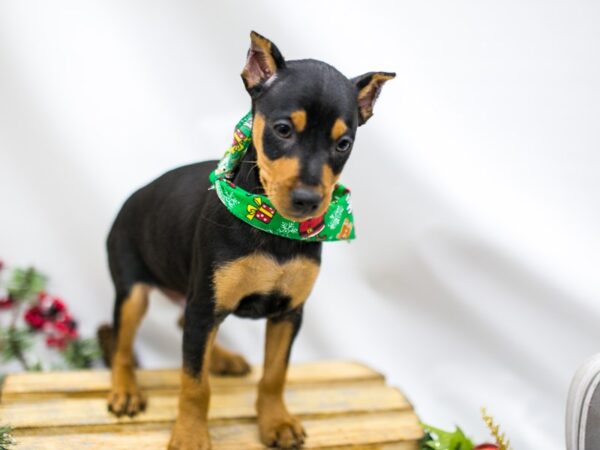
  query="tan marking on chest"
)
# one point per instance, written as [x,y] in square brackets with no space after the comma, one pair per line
[259,273]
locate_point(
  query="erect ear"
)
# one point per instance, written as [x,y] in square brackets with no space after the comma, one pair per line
[369,86]
[264,60]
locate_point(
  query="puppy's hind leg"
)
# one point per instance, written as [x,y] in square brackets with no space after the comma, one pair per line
[225,362]
[125,397]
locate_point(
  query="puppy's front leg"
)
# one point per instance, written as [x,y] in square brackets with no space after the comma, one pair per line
[190,431]
[278,428]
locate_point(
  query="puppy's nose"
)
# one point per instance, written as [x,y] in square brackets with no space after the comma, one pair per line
[305,200]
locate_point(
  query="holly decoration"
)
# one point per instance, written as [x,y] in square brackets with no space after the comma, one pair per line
[28,312]
[437,439]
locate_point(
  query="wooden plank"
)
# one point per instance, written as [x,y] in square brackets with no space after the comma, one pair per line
[237,405]
[397,430]
[33,386]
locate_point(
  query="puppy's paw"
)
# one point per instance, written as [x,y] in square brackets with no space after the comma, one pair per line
[189,437]
[126,401]
[285,432]
[229,364]
[177,444]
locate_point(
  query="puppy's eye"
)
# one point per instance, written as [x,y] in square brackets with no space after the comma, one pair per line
[283,129]
[344,145]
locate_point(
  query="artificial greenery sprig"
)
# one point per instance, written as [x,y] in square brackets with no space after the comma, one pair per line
[437,439]
[6,439]
[25,284]
[81,353]
[14,343]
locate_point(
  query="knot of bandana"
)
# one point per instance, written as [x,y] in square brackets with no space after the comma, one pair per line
[336,224]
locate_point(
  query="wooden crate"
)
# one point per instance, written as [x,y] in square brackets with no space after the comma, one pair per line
[344,405]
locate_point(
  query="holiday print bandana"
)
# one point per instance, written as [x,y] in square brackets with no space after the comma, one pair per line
[335,225]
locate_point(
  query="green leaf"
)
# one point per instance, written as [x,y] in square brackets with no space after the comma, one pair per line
[25,284]
[427,442]
[81,353]
[6,439]
[14,341]
[36,367]
[446,440]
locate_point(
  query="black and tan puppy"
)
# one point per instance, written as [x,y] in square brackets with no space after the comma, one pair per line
[175,235]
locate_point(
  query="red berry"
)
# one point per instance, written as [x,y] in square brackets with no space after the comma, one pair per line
[54,341]
[61,327]
[6,302]
[58,304]
[486,447]
[34,317]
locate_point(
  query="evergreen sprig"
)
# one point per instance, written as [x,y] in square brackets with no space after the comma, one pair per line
[6,439]
[14,342]
[24,284]
[81,353]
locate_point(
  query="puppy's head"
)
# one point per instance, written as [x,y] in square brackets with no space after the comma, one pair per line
[305,118]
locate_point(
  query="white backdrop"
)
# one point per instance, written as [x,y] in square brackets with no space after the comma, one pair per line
[474,280]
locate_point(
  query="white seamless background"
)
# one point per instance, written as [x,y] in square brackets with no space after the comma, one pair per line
[474,278]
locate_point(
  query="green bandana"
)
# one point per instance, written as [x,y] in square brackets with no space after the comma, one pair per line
[256,210]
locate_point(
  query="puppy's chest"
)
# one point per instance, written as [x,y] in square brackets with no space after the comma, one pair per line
[258,285]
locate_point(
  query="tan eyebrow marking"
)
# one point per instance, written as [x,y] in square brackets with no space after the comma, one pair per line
[299,120]
[338,129]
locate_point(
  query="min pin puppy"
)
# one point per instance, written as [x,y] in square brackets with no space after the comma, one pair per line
[176,236]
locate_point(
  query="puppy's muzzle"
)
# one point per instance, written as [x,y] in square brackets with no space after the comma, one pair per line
[305,201]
